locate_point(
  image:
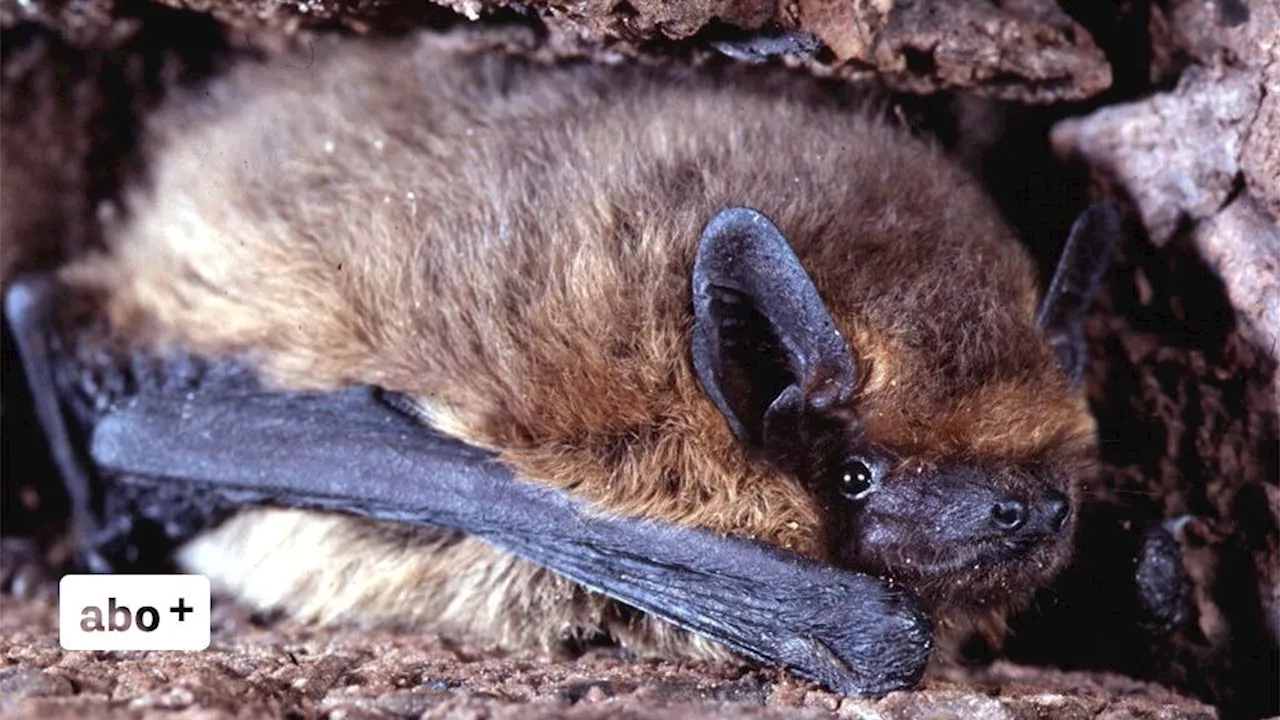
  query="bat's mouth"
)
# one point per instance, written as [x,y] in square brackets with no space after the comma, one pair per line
[979,571]
[976,555]
[1010,548]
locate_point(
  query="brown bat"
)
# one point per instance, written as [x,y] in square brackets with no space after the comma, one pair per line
[685,299]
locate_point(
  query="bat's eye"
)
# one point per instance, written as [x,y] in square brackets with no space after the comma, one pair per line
[856,477]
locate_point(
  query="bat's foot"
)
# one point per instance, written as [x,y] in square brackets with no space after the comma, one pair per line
[1160,582]
[1125,595]
[24,570]
[75,372]
[759,47]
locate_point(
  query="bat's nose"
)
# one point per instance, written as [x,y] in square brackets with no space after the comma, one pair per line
[1048,514]
[1009,514]
[1056,509]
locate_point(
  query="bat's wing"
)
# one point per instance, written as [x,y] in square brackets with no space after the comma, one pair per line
[232,445]
[29,309]
[75,373]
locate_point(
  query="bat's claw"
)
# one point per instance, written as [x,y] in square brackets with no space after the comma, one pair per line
[761,46]
[1161,581]
[24,569]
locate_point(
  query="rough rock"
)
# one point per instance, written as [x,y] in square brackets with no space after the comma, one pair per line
[1029,50]
[1260,159]
[1025,51]
[1240,34]
[1177,154]
[1242,245]
[1226,107]
[251,670]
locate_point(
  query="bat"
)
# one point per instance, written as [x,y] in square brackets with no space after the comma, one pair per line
[651,351]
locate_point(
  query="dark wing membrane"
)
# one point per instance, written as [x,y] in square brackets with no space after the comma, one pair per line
[29,310]
[348,451]
[230,444]
[75,372]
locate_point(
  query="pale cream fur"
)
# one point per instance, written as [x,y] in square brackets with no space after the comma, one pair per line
[327,568]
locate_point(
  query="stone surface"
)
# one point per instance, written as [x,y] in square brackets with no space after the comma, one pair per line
[1260,161]
[1028,50]
[1177,154]
[1243,34]
[256,671]
[1197,44]
[1242,245]
[1186,409]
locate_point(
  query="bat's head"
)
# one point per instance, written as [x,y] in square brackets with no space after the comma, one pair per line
[946,452]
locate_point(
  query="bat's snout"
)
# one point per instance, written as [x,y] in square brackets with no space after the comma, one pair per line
[1017,518]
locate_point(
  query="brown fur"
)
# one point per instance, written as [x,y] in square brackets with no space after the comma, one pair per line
[512,245]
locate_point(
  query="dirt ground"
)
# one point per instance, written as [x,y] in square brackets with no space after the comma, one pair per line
[252,670]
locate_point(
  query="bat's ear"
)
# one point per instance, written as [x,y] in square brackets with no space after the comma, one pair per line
[764,347]
[1092,242]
